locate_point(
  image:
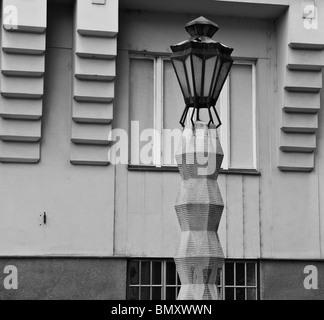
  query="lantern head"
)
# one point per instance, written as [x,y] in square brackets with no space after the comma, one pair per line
[202,67]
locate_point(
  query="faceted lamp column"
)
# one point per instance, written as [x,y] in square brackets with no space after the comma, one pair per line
[202,66]
[199,208]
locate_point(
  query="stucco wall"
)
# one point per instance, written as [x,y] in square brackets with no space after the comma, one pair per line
[146,223]
[93,211]
[79,201]
[276,215]
[67,279]
[292,227]
[284,280]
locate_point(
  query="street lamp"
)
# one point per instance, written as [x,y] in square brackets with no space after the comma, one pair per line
[202,66]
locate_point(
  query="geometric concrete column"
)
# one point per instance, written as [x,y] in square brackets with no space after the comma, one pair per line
[22,79]
[94,65]
[199,208]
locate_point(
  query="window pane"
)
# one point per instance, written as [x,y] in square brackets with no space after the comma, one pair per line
[220,293]
[145,272]
[170,273]
[156,293]
[156,273]
[229,274]
[250,271]
[133,293]
[198,67]
[209,73]
[222,76]
[219,277]
[145,293]
[190,76]
[251,294]
[218,79]
[240,274]
[141,100]
[240,294]
[229,293]
[173,107]
[171,293]
[180,69]
[133,272]
[241,116]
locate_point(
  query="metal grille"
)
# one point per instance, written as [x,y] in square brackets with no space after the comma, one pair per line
[239,281]
[152,280]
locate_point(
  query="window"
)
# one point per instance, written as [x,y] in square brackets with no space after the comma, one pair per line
[152,280]
[238,111]
[158,280]
[239,281]
[156,102]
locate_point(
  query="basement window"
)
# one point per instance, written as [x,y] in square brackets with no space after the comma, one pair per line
[152,280]
[158,280]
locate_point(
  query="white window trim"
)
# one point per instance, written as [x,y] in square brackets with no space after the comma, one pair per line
[225,129]
[224,99]
[158,110]
[225,132]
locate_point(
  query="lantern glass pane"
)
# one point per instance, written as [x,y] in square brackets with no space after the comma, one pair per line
[209,73]
[225,68]
[180,70]
[215,77]
[190,75]
[198,69]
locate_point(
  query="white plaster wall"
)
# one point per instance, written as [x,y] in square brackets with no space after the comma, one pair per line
[78,200]
[146,223]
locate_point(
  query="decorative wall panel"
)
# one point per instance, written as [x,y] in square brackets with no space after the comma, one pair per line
[95,41]
[22,81]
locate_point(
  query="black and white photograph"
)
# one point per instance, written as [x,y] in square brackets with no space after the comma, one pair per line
[162,156]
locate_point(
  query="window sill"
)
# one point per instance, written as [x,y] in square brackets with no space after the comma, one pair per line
[142,168]
[134,167]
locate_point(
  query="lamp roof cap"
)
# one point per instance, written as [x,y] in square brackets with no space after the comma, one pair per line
[202,27]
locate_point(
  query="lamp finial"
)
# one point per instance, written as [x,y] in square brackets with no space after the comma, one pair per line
[202,27]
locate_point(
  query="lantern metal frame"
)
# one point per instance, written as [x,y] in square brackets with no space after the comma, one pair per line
[201,83]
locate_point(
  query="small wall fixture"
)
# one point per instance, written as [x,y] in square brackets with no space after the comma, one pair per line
[43,218]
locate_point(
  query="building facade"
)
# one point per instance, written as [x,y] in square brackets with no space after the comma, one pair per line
[81,77]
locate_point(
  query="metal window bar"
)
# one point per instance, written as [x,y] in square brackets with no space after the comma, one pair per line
[223,285]
[163,283]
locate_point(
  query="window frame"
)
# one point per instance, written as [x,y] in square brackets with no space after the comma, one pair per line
[163,284]
[222,286]
[225,109]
